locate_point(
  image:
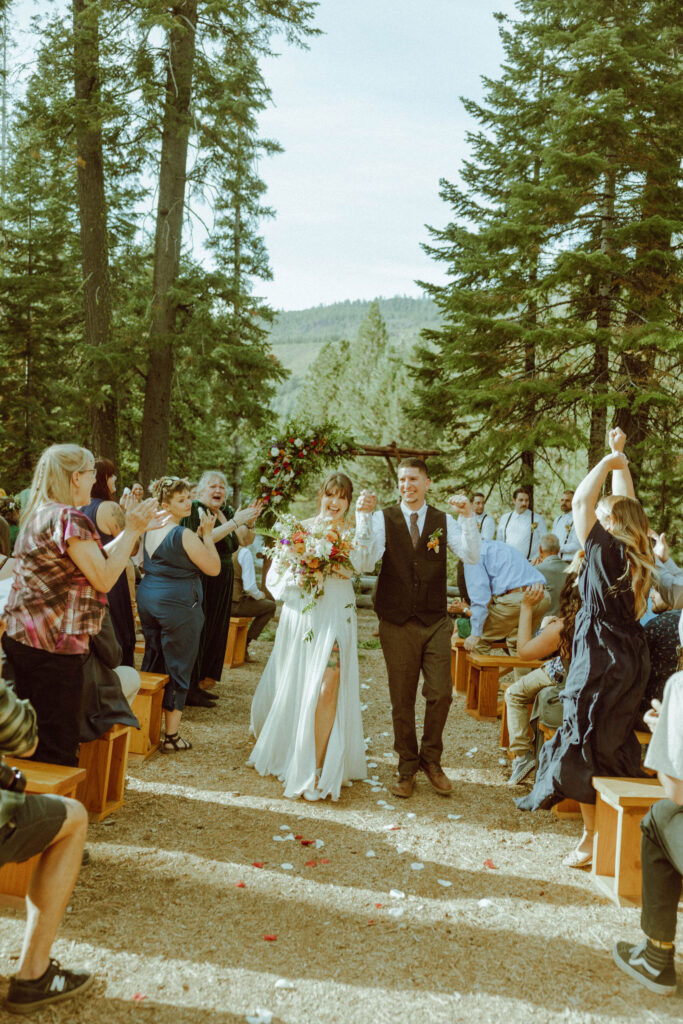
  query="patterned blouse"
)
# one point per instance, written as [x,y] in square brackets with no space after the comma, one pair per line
[51,605]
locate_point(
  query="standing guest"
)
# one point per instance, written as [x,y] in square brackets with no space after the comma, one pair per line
[551,566]
[58,596]
[170,598]
[651,962]
[110,519]
[137,493]
[610,660]
[411,604]
[486,524]
[563,528]
[522,528]
[211,493]
[247,599]
[554,639]
[496,587]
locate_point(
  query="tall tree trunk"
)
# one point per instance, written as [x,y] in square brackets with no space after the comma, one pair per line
[99,331]
[168,240]
[603,323]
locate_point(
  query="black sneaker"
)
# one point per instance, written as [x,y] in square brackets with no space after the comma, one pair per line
[57,983]
[634,961]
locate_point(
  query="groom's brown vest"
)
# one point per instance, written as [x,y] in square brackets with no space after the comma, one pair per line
[412,582]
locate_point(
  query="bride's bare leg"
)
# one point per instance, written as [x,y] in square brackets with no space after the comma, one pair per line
[326,708]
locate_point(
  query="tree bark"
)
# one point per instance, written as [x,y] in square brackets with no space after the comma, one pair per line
[99,331]
[603,323]
[168,240]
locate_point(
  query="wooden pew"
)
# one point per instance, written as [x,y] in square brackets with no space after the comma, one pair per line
[147,709]
[40,778]
[483,672]
[105,760]
[235,648]
[458,664]
[621,805]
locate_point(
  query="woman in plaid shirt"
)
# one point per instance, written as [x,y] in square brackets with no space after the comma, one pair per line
[61,578]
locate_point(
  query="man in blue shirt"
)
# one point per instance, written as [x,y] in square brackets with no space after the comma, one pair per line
[495,586]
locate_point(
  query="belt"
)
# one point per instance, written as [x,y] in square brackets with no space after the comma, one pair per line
[515,590]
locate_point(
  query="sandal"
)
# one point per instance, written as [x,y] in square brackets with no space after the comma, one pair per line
[578,859]
[172,741]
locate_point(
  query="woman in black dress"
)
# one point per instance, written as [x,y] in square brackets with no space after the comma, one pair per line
[110,520]
[610,660]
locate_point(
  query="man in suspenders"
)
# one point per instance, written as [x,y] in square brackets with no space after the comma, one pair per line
[522,528]
[486,524]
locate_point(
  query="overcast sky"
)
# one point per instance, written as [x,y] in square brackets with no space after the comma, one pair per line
[370,119]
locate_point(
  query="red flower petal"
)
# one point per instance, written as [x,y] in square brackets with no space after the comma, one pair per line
[489,864]
[307,842]
[270,938]
[257,864]
[311,863]
[240,885]
[298,837]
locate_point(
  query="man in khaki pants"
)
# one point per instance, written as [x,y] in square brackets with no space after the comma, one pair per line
[496,587]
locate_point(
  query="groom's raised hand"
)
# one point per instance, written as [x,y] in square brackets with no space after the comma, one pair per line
[460,503]
[366,502]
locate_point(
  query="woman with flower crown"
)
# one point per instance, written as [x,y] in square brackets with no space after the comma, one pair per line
[306,709]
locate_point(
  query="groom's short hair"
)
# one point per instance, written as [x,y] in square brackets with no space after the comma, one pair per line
[413,463]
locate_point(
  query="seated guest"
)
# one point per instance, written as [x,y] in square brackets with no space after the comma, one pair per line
[495,585]
[661,633]
[247,599]
[554,639]
[522,528]
[553,568]
[486,524]
[651,962]
[563,528]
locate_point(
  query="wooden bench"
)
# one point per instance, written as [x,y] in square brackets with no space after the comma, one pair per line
[105,760]
[236,647]
[483,673]
[458,664]
[147,709]
[40,779]
[620,807]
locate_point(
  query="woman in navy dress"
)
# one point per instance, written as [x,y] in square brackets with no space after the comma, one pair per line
[110,520]
[610,659]
[170,598]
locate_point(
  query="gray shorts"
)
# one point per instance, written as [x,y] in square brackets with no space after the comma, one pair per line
[34,825]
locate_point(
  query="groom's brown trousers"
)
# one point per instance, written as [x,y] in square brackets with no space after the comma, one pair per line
[407,650]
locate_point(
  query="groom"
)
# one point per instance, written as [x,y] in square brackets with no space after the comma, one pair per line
[410,601]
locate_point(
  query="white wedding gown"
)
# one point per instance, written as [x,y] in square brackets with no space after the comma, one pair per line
[283,708]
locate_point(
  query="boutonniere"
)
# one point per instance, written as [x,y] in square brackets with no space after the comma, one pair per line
[534,524]
[433,542]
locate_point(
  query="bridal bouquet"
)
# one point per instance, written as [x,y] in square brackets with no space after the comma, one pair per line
[313,552]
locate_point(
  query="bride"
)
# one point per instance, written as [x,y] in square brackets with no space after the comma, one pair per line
[306,709]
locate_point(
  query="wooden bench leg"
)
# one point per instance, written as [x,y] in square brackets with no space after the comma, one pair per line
[460,670]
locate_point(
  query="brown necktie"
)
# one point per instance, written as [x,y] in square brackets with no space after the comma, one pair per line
[414,532]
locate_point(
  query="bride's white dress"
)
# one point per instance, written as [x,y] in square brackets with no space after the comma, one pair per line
[283,708]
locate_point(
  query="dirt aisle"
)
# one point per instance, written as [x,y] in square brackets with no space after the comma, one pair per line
[189,879]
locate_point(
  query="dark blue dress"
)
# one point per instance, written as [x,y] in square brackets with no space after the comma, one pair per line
[607,677]
[118,597]
[170,610]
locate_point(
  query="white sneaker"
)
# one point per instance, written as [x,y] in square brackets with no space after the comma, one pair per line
[521,766]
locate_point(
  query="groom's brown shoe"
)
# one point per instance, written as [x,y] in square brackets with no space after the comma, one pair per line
[438,779]
[404,787]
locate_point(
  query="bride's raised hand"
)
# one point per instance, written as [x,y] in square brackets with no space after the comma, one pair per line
[367,502]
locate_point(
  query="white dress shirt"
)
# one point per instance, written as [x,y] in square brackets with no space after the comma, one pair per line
[486,525]
[246,560]
[563,528]
[522,530]
[462,537]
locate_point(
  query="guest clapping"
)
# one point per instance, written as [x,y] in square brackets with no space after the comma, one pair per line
[170,598]
[58,596]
